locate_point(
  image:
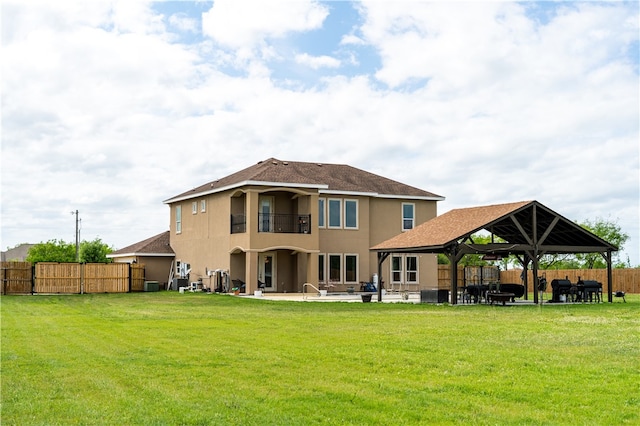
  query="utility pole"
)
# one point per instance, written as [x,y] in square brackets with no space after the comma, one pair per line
[77,237]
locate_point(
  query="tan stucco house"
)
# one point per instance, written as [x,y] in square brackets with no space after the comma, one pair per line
[154,253]
[280,224]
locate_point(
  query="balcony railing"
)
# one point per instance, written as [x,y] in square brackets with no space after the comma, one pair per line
[284,223]
[275,223]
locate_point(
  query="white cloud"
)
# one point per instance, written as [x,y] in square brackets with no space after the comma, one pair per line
[181,22]
[246,23]
[316,62]
[103,113]
[351,39]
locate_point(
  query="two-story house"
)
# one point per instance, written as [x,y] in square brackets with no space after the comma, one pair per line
[280,224]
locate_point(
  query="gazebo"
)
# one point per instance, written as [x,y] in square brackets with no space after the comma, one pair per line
[526,229]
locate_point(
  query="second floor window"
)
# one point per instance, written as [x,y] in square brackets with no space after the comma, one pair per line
[321,212]
[351,214]
[335,213]
[340,214]
[178,219]
[408,216]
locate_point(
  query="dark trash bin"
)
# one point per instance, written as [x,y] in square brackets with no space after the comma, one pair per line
[434,296]
[151,286]
[366,298]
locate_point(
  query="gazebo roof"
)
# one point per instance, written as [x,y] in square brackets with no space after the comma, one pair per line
[522,226]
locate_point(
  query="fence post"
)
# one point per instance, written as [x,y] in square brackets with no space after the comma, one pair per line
[130,277]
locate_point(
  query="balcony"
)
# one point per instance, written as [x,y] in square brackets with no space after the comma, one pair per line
[274,223]
[284,223]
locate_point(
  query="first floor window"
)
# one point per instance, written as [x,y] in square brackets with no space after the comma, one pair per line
[350,268]
[396,269]
[411,269]
[335,268]
[321,268]
[338,268]
[178,219]
[404,269]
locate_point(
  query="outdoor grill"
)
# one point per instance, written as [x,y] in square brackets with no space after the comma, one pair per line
[560,287]
[588,288]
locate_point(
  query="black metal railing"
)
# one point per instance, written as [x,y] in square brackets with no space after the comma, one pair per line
[284,223]
[238,223]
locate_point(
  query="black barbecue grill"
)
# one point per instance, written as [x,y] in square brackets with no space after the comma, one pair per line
[560,287]
[588,290]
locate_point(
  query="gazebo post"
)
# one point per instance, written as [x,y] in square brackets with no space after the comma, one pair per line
[608,258]
[381,257]
[454,279]
[453,257]
[525,275]
[535,279]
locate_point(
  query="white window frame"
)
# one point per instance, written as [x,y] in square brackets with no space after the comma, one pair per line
[203,206]
[355,202]
[322,212]
[407,271]
[357,271]
[340,268]
[194,207]
[329,202]
[178,219]
[403,273]
[412,218]
[396,271]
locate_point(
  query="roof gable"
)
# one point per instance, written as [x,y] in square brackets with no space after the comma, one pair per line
[156,245]
[325,177]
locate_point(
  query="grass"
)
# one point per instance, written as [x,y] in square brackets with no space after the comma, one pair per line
[197,359]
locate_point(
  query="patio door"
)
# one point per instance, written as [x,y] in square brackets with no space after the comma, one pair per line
[267,271]
[265,217]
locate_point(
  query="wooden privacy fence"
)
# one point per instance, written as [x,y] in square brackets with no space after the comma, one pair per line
[468,275]
[71,278]
[17,277]
[627,280]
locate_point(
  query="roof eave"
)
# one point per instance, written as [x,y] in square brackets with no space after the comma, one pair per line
[242,184]
[113,256]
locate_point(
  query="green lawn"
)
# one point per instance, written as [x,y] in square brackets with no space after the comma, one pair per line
[197,359]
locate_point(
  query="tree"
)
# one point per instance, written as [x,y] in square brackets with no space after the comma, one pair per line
[52,251]
[609,231]
[94,251]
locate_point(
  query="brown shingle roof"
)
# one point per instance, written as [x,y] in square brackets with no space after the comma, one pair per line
[327,177]
[158,244]
[450,226]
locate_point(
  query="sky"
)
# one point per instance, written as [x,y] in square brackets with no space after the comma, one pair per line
[110,108]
